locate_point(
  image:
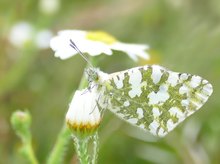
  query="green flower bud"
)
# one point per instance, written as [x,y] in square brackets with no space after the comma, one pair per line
[21,122]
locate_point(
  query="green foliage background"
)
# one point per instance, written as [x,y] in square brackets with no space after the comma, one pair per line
[184,36]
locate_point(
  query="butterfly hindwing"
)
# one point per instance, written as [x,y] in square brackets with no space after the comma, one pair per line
[154,98]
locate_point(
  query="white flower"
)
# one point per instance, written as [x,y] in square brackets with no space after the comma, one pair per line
[94,43]
[23,33]
[42,39]
[49,6]
[20,34]
[83,114]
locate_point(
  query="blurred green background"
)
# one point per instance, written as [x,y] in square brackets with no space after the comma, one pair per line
[184,36]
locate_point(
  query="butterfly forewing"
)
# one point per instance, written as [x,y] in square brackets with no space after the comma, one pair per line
[154,98]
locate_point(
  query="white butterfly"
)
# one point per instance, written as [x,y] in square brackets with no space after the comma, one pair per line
[152,98]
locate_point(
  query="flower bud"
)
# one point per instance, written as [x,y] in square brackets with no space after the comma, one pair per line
[83,116]
[21,121]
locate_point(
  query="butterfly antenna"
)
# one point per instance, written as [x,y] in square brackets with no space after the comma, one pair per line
[73,45]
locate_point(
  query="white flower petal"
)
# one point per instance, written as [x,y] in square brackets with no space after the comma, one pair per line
[143,54]
[61,45]
[74,33]
[65,54]
[132,50]
[83,109]
[132,56]
[94,48]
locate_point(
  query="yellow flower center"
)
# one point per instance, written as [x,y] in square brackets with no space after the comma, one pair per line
[101,36]
[83,128]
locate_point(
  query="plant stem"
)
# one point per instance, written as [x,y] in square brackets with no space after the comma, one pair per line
[57,154]
[81,145]
[29,153]
[95,148]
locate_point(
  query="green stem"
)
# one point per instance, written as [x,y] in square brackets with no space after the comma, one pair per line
[29,153]
[81,145]
[95,148]
[57,154]
[26,149]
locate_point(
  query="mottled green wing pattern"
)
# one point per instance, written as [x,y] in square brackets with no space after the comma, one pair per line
[154,98]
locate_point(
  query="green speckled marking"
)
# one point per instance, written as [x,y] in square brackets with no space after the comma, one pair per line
[116,98]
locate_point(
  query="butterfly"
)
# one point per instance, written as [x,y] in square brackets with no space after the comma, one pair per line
[150,97]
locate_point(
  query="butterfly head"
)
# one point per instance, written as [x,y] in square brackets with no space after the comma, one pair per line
[92,75]
[95,76]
